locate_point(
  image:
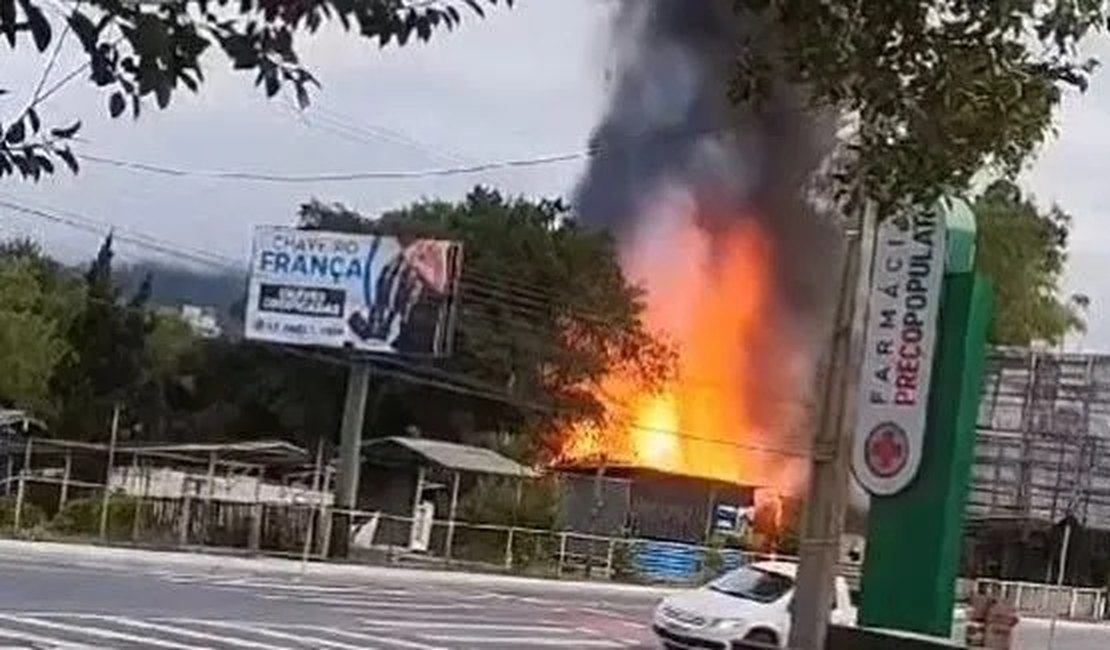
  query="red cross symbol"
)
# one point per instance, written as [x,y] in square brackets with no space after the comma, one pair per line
[886,450]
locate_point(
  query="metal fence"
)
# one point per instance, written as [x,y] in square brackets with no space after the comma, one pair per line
[43,506]
[1042,600]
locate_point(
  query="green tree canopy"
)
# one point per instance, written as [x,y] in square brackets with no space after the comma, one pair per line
[35,313]
[942,88]
[138,50]
[109,343]
[1024,251]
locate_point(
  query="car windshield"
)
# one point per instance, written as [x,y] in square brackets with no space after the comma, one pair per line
[755,584]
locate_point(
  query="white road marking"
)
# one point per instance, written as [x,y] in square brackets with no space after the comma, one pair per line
[97,632]
[347,634]
[8,634]
[178,631]
[523,642]
[437,617]
[371,603]
[447,625]
[264,630]
[284,586]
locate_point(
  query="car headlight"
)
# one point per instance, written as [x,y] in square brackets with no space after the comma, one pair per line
[728,624]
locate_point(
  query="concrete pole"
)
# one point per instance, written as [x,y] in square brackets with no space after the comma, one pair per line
[139,501]
[255,541]
[451,515]
[350,452]
[106,498]
[417,497]
[1062,564]
[9,474]
[209,492]
[185,523]
[326,512]
[315,507]
[832,448]
[21,492]
[63,494]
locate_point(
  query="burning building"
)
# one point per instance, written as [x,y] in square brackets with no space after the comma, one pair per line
[708,200]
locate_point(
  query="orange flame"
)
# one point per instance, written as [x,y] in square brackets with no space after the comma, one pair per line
[714,298]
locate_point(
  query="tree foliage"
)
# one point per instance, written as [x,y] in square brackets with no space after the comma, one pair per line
[138,51]
[108,339]
[942,88]
[33,325]
[1024,251]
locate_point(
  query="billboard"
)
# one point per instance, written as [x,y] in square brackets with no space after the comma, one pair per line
[899,338]
[372,293]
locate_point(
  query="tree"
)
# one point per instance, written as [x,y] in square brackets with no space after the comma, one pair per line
[142,49]
[109,343]
[32,333]
[942,88]
[544,311]
[169,345]
[1024,251]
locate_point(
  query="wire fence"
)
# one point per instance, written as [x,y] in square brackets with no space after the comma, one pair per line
[42,505]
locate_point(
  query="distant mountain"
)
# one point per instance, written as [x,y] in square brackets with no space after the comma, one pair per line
[173,286]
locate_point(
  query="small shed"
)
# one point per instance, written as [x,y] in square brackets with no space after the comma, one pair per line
[401,469]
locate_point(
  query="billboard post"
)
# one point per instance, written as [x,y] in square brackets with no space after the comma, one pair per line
[350,443]
[363,293]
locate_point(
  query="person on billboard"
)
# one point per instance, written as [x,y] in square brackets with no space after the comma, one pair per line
[406,296]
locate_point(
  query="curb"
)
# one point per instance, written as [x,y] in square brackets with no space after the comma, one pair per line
[76,553]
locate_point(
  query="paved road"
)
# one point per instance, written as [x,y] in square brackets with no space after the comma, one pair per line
[87,601]
[71,598]
[1034,635]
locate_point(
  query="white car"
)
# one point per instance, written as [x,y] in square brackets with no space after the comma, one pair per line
[751,603]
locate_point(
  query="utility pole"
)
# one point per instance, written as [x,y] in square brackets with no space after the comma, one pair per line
[832,446]
[350,456]
[106,497]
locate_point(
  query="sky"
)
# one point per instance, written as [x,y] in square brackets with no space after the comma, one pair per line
[522,83]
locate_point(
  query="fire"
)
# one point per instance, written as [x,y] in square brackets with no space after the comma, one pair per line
[713,296]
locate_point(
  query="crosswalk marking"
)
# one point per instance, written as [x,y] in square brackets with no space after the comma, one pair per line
[98,632]
[273,633]
[347,634]
[433,625]
[179,631]
[415,617]
[372,603]
[56,644]
[523,642]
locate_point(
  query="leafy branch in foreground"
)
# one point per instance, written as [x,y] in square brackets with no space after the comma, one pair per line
[137,50]
[942,88]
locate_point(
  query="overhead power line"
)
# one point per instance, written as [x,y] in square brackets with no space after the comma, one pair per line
[617,143]
[336,177]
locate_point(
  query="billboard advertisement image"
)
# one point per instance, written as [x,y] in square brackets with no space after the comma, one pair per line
[373,293]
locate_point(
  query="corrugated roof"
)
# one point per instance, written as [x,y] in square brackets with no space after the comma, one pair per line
[449,455]
[259,452]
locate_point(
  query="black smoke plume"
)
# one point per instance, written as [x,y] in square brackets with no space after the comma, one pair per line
[670,123]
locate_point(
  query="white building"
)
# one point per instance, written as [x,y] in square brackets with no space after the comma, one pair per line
[202,320]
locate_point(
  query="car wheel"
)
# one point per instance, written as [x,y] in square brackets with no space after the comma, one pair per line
[763,637]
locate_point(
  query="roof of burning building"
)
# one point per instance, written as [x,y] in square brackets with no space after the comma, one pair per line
[640,472]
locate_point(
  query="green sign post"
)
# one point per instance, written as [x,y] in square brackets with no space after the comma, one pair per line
[914,530]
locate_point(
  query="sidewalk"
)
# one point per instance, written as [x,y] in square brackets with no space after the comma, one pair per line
[85,554]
